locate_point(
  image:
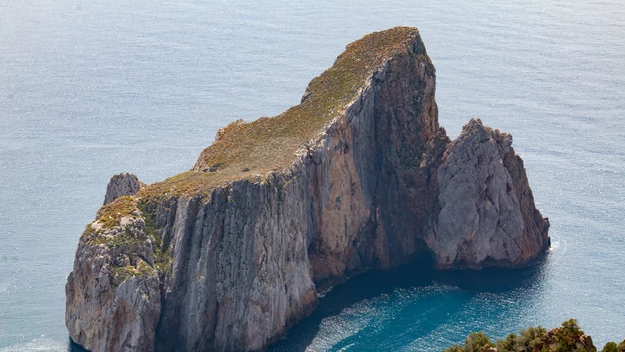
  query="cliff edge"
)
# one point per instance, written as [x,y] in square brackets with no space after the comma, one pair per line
[358,176]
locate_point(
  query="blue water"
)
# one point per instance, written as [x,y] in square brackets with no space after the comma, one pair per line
[92,88]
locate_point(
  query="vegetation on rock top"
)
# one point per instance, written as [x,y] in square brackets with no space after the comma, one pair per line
[249,150]
[109,217]
[110,214]
[107,230]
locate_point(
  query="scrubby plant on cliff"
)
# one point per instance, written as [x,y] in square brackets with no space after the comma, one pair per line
[476,342]
[125,228]
[613,347]
[566,338]
[162,259]
[569,335]
[528,340]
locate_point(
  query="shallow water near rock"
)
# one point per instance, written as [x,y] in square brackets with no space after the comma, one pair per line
[412,308]
[88,90]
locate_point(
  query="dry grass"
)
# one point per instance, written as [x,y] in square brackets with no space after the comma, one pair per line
[111,213]
[247,149]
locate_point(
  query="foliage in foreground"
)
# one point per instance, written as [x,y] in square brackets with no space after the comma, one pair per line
[566,338]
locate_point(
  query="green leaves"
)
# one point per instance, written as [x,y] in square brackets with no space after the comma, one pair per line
[566,338]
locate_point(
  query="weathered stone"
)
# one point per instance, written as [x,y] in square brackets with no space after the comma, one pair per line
[240,276]
[113,295]
[120,185]
[487,214]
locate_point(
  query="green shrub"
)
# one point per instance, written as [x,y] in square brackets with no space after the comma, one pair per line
[477,341]
[528,340]
[455,348]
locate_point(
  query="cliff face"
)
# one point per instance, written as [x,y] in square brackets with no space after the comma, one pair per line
[240,274]
[229,255]
[487,214]
[370,171]
[113,295]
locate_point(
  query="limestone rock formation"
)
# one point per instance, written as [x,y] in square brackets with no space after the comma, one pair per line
[120,185]
[487,209]
[113,294]
[229,255]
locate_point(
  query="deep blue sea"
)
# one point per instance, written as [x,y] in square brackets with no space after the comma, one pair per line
[92,88]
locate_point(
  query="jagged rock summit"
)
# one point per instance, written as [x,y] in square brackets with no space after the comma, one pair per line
[121,185]
[487,212]
[359,176]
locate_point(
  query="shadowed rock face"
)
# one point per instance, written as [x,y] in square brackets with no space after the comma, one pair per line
[228,256]
[372,170]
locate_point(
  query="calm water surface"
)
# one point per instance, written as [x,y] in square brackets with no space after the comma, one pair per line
[92,88]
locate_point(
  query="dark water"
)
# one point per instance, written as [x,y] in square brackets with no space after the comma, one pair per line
[89,89]
[410,308]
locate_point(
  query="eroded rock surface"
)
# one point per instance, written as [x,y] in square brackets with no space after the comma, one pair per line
[113,295]
[359,176]
[124,184]
[482,221]
[240,273]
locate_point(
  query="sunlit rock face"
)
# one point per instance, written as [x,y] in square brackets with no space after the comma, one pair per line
[487,214]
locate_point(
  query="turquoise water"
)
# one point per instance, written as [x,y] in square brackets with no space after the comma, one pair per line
[89,89]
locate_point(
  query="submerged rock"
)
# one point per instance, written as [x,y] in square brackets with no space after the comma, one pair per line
[359,176]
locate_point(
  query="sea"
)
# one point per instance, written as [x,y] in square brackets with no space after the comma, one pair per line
[89,89]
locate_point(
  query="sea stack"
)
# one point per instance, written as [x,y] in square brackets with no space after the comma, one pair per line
[487,214]
[120,185]
[358,176]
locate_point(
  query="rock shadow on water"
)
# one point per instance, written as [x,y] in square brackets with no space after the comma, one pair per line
[74,347]
[418,274]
